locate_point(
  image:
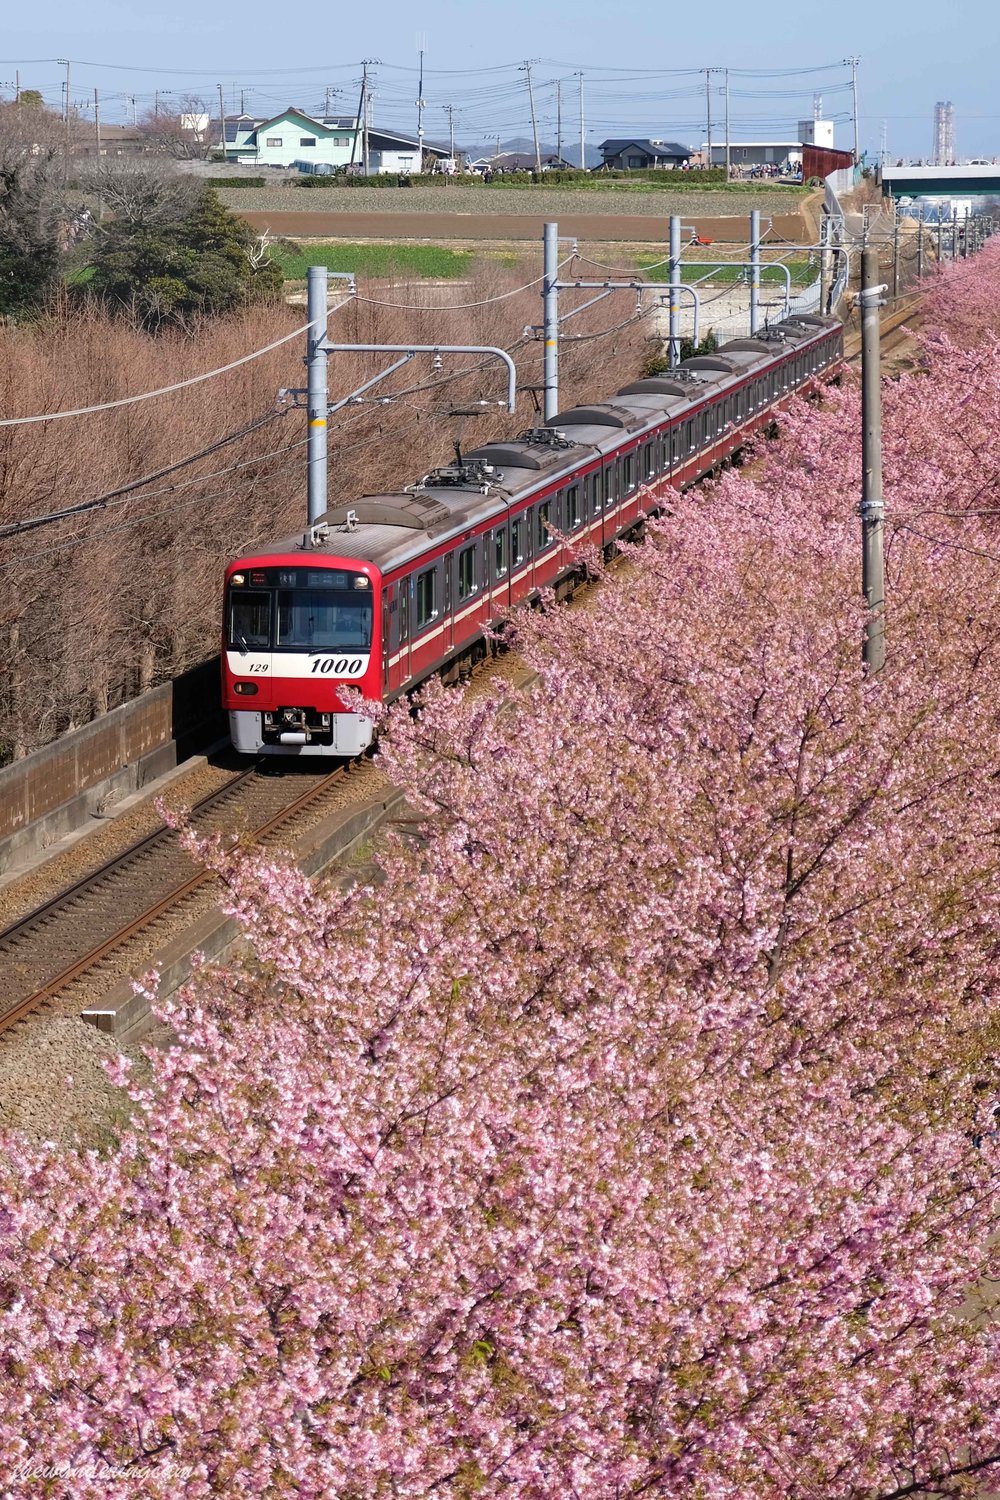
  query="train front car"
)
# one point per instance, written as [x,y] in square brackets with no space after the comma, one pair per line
[298,628]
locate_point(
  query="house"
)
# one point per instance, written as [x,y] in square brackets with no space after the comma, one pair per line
[519,161]
[116,140]
[631,154]
[336,142]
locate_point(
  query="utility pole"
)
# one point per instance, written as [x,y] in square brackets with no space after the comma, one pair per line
[317,394]
[872,501]
[558,120]
[895,257]
[727,125]
[326,104]
[674,278]
[420,104]
[97,142]
[852,63]
[222,121]
[920,244]
[66,123]
[17,86]
[364,116]
[754,271]
[526,68]
[708,112]
[449,110]
[824,262]
[550,319]
[583,149]
[135,118]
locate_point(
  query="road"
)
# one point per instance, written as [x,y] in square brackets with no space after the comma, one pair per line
[437,228]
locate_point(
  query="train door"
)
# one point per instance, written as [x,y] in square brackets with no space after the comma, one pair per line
[448,634]
[499,570]
[388,605]
[401,629]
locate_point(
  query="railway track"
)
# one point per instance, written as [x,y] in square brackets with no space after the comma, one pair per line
[63,942]
[58,945]
[907,312]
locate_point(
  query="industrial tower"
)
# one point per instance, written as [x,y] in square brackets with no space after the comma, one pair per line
[944,133]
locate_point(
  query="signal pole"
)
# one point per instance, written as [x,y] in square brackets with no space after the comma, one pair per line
[708,112]
[872,500]
[550,332]
[674,277]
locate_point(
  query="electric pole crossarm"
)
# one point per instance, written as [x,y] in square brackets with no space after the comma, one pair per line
[411,349]
[359,390]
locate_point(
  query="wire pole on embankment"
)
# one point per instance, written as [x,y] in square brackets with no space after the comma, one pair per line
[872,500]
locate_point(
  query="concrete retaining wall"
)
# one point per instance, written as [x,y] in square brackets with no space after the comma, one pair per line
[59,788]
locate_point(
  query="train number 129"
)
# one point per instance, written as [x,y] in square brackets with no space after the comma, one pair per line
[342,666]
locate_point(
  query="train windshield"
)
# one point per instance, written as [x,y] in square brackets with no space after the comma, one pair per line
[299,609]
[321,620]
[250,620]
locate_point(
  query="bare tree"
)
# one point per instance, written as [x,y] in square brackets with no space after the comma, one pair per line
[141,190]
[184,136]
[32,142]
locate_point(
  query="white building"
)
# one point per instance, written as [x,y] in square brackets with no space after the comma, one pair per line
[294,139]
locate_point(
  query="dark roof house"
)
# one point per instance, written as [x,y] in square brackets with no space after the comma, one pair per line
[629,154]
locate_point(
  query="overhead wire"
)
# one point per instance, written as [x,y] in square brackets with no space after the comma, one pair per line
[31,523]
[166,390]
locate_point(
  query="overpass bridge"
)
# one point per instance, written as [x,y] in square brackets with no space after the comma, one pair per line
[978,180]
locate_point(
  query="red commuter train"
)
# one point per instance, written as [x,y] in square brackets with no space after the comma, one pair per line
[389,589]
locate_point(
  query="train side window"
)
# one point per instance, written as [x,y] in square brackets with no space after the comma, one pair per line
[404,609]
[517,537]
[628,483]
[595,493]
[500,551]
[543,519]
[426,600]
[609,486]
[648,461]
[467,572]
[573,510]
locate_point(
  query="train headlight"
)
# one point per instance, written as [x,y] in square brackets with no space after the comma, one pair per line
[245,689]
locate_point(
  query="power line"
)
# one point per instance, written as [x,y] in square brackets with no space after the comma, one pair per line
[123,491]
[166,390]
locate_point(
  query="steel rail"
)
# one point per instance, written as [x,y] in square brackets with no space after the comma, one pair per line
[173,898]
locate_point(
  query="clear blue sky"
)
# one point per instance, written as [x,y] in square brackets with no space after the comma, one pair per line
[913,52]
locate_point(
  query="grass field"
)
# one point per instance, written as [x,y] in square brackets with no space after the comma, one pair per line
[802,273]
[431,261]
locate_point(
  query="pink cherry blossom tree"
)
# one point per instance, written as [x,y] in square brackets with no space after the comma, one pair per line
[633,1135]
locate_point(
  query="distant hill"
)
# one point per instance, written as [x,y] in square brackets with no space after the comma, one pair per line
[570,149]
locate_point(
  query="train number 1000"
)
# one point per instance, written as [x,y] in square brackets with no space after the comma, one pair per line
[343,666]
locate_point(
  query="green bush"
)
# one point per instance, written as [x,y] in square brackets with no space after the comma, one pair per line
[158,275]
